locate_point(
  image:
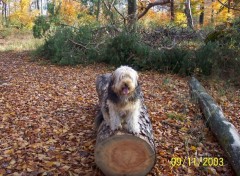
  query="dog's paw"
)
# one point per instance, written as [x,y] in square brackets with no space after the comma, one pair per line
[134,129]
[115,127]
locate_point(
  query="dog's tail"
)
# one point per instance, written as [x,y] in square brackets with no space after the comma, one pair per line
[98,120]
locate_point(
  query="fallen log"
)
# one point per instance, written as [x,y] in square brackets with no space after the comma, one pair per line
[119,152]
[224,131]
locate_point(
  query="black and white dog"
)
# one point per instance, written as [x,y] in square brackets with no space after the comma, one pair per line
[121,99]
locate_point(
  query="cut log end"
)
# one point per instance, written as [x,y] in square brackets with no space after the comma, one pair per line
[124,154]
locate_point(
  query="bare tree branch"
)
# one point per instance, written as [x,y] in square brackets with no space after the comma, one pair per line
[112,4]
[150,5]
[124,18]
[169,47]
[109,6]
[228,6]
[106,6]
[78,44]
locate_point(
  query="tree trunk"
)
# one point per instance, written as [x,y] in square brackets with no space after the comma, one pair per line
[172,10]
[5,21]
[188,13]
[37,3]
[2,13]
[224,131]
[201,17]
[98,10]
[212,12]
[41,6]
[229,4]
[132,15]
[9,8]
[119,152]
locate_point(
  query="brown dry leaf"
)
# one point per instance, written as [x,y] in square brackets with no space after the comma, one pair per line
[8,152]
[42,157]
[190,171]
[162,153]
[65,168]
[12,162]
[2,171]
[16,174]
[212,171]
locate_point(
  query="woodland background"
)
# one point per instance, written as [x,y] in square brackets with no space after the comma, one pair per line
[184,37]
[47,111]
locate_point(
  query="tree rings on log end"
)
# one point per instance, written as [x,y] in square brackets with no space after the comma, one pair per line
[124,154]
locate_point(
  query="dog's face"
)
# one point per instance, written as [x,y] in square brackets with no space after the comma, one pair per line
[125,81]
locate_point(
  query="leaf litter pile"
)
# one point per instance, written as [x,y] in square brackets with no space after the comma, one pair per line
[47,114]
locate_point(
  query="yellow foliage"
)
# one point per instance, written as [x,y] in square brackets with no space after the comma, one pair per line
[73,13]
[223,15]
[180,18]
[22,16]
[69,11]
[155,18]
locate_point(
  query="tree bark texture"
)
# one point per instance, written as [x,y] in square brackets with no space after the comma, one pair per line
[132,14]
[98,10]
[188,13]
[119,152]
[224,131]
[201,17]
[172,10]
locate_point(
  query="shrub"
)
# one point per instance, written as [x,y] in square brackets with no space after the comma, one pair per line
[4,33]
[223,50]
[41,26]
[122,50]
[69,46]
[206,56]
[127,49]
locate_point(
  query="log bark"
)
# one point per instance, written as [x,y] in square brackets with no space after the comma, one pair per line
[119,152]
[224,131]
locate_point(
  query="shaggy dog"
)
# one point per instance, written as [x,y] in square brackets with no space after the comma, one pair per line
[121,105]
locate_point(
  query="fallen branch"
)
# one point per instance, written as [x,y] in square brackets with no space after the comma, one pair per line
[78,44]
[169,47]
[224,131]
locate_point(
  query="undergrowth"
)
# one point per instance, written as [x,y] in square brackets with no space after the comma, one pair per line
[219,55]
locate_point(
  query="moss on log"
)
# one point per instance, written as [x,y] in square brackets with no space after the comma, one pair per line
[224,131]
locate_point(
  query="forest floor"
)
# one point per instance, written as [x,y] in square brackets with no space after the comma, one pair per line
[47,114]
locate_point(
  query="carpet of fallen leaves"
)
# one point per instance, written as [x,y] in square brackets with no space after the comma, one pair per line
[47,112]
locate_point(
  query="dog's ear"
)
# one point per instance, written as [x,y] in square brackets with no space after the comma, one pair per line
[111,83]
[137,80]
[112,76]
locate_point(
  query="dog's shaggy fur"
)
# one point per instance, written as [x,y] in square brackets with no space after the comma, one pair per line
[121,107]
